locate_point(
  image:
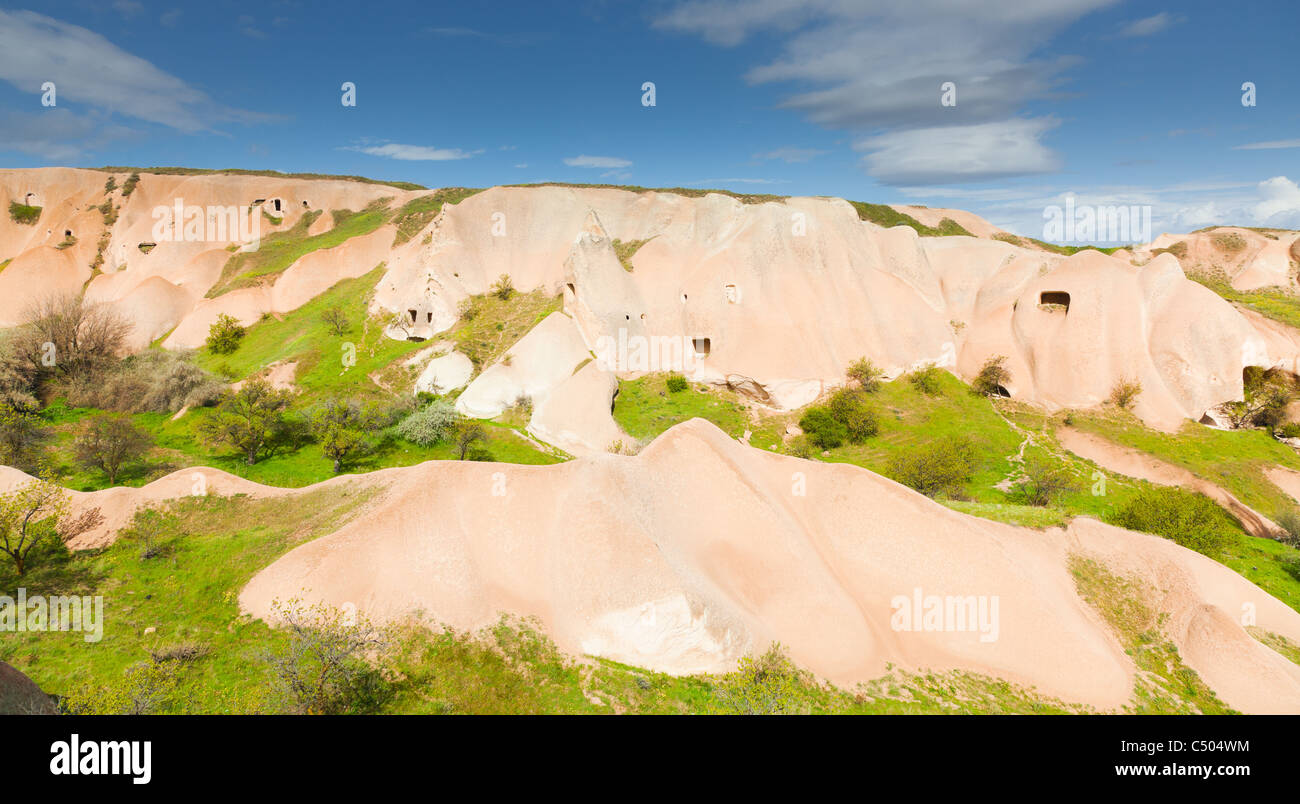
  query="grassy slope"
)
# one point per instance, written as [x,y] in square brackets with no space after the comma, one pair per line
[213,546]
[279,250]
[303,337]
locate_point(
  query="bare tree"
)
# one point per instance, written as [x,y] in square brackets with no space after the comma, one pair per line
[323,669]
[66,335]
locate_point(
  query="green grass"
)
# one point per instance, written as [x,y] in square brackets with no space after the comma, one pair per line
[1279,304]
[279,250]
[212,546]
[625,251]
[416,213]
[498,324]
[24,214]
[887,216]
[1165,684]
[688,192]
[645,408]
[185,171]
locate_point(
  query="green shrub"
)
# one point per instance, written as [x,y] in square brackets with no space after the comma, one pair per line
[503,288]
[822,428]
[224,335]
[867,374]
[676,383]
[431,424]
[1190,519]
[1045,481]
[939,468]
[1289,430]
[849,407]
[129,186]
[21,213]
[927,380]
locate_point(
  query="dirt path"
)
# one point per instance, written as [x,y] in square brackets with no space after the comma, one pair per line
[1134,463]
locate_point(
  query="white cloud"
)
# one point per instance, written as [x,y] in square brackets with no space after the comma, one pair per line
[883,65]
[1266,146]
[89,69]
[57,135]
[1149,25]
[127,8]
[413,153]
[606,162]
[960,153]
[790,154]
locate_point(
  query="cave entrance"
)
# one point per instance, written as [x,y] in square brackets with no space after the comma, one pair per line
[1055,298]
[702,346]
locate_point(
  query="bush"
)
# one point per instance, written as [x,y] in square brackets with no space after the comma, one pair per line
[942,467]
[129,186]
[770,684]
[1289,522]
[23,435]
[822,429]
[1045,481]
[993,377]
[1124,393]
[1289,430]
[503,288]
[431,424]
[849,407]
[1190,519]
[676,383]
[927,380]
[224,335]
[21,213]
[154,381]
[866,373]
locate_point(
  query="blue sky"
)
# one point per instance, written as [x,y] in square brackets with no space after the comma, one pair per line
[1113,102]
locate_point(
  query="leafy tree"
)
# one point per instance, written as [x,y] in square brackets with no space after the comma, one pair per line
[849,407]
[23,435]
[35,514]
[468,433]
[109,442]
[224,335]
[248,420]
[993,377]
[342,429]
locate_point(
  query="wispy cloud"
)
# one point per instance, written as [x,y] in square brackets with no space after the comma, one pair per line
[1267,146]
[606,162]
[790,154]
[961,153]
[89,69]
[1150,25]
[413,153]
